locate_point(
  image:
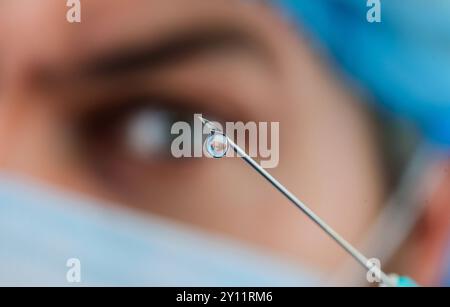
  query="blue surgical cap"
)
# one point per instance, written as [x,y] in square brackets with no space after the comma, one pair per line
[404,60]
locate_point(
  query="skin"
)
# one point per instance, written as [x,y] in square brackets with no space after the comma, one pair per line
[328,147]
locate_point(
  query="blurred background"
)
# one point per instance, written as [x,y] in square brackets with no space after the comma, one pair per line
[91,194]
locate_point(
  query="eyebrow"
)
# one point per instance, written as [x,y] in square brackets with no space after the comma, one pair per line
[175,48]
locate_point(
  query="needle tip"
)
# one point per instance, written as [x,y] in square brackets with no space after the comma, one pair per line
[208,123]
[204,121]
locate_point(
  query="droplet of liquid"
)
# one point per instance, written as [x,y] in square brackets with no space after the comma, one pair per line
[217,145]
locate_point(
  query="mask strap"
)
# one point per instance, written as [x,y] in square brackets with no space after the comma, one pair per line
[400,214]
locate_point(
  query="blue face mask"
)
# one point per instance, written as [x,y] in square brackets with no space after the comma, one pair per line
[404,60]
[44,236]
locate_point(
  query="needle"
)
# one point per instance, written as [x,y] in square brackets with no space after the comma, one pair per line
[356,254]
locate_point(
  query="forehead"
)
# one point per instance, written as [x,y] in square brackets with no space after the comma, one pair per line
[39,29]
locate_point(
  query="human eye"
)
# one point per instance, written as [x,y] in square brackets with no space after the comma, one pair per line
[133,135]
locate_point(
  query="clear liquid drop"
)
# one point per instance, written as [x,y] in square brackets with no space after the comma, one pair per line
[217,145]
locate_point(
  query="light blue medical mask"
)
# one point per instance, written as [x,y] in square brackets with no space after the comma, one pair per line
[41,230]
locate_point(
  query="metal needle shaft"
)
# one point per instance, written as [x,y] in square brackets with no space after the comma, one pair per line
[356,254]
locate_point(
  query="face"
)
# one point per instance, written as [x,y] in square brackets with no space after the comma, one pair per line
[71,93]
